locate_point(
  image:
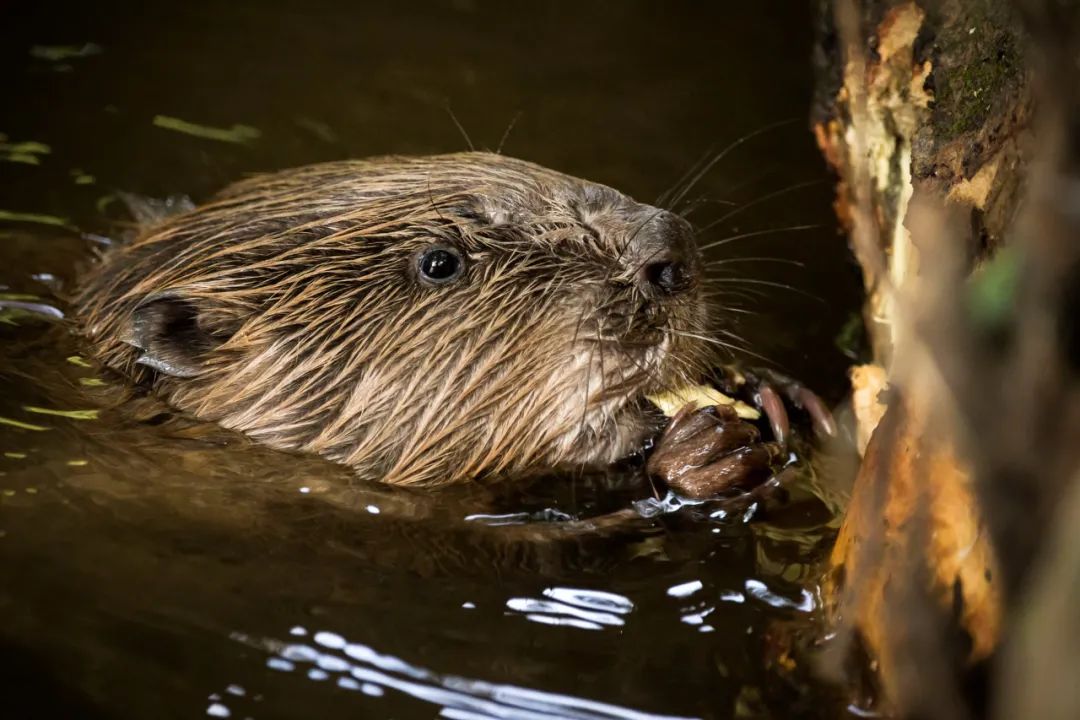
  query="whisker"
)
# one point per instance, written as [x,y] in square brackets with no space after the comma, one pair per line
[735,260]
[752,179]
[577,327]
[733,335]
[650,374]
[696,177]
[506,132]
[759,233]
[633,235]
[767,283]
[739,310]
[431,200]
[731,348]
[460,127]
[762,199]
[661,199]
[740,292]
[694,204]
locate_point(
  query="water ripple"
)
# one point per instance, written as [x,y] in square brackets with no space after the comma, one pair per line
[759,591]
[574,607]
[365,670]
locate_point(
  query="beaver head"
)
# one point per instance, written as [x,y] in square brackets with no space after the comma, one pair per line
[424,320]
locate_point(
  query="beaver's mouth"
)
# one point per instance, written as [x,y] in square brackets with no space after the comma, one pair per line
[629,370]
[618,419]
[611,432]
[631,348]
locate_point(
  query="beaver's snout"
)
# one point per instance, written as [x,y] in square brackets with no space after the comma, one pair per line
[671,263]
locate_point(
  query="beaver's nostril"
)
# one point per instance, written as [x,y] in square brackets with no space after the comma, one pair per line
[670,276]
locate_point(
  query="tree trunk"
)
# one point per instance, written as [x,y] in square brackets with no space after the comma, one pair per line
[925,111]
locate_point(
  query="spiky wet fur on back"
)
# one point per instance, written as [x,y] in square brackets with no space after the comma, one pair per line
[325,341]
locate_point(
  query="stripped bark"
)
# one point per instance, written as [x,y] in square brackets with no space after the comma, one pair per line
[924,110]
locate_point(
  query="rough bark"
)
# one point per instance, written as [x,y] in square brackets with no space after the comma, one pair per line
[934,102]
[926,112]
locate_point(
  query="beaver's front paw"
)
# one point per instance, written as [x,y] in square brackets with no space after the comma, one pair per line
[768,390]
[711,451]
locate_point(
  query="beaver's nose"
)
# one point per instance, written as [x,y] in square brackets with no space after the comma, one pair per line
[669,275]
[670,262]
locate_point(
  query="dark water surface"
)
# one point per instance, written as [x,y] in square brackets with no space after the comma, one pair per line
[153,567]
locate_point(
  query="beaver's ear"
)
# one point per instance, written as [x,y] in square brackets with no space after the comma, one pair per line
[173,334]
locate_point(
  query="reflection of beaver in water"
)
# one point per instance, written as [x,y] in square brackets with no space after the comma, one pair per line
[423,320]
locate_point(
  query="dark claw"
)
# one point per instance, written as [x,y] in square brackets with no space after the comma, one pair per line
[820,415]
[769,390]
[773,406]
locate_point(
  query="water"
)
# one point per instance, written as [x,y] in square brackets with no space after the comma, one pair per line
[159,568]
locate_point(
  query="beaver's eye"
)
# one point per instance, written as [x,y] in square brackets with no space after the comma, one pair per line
[439,265]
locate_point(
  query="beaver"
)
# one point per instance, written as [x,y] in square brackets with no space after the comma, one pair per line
[423,320]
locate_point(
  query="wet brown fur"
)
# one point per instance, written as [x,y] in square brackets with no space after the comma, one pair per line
[305,326]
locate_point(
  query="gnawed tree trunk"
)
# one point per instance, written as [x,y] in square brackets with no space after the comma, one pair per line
[925,110]
[934,102]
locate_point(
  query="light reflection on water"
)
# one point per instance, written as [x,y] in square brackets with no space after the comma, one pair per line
[574,607]
[357,667]
[685,589]
[760,591]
